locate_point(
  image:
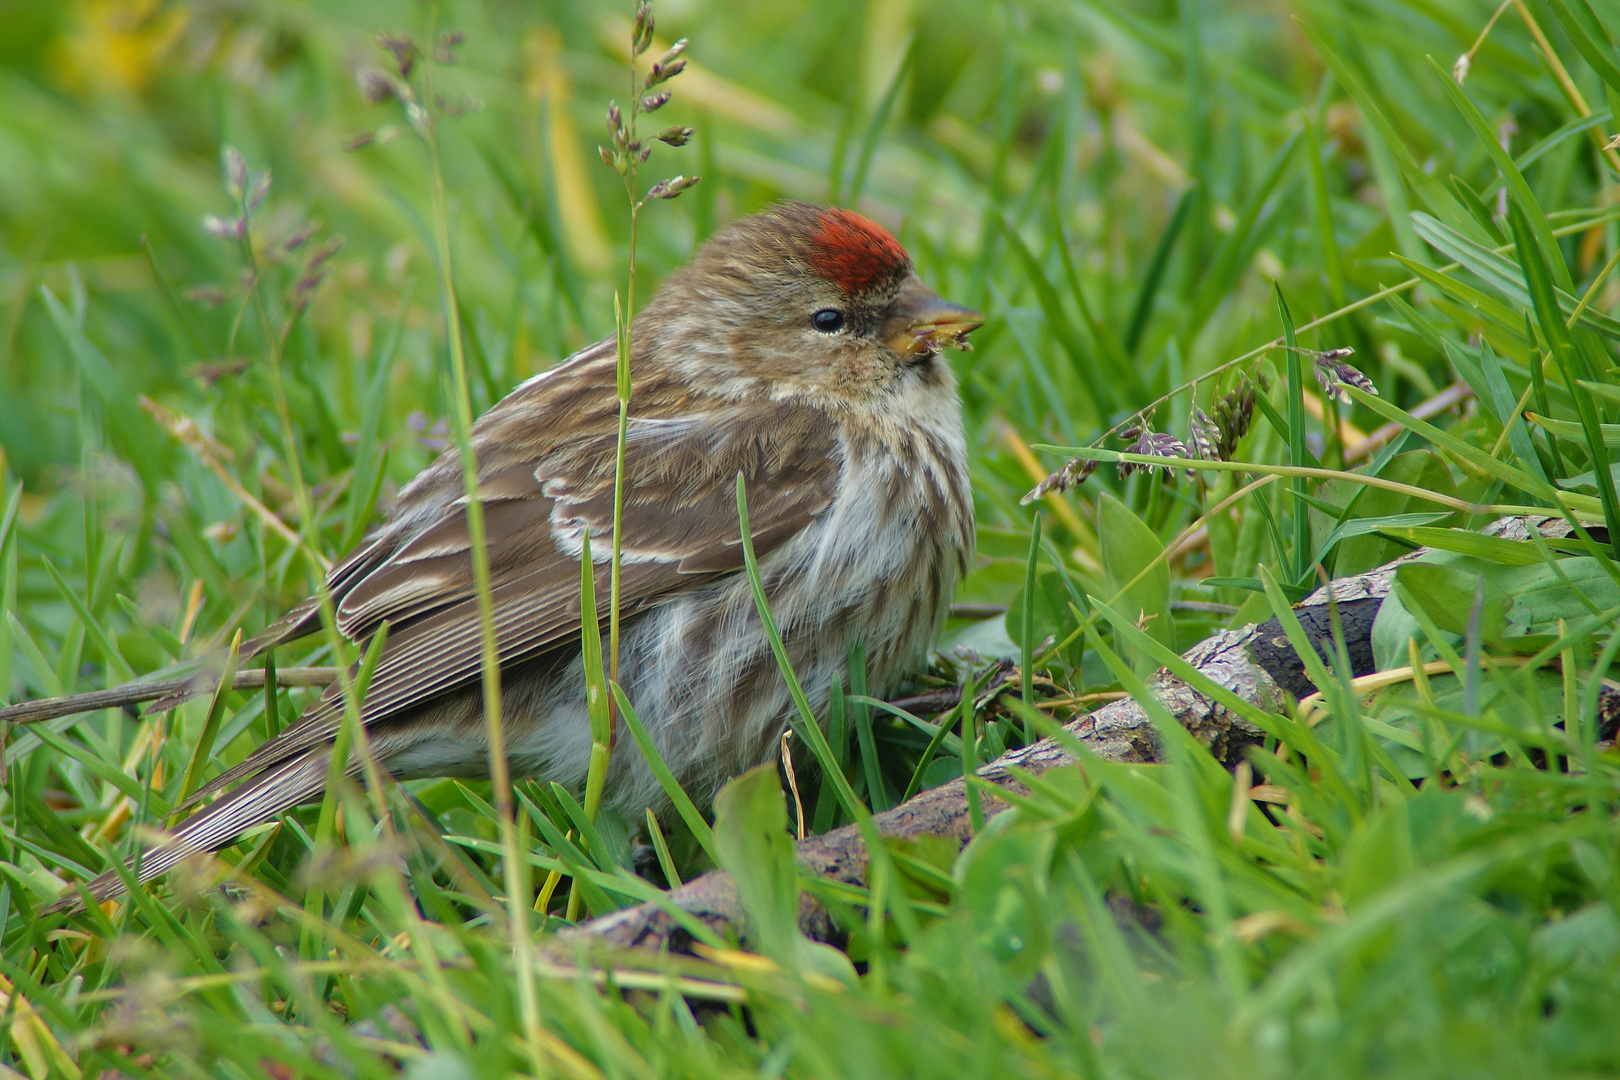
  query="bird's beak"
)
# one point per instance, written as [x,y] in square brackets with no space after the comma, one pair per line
[921,324]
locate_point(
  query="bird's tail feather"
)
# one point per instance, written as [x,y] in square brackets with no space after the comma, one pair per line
[287,784]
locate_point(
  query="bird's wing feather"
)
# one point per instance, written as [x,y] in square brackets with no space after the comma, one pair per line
[680,529]
[288,783]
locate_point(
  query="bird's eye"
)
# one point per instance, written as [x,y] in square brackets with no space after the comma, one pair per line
[828,320]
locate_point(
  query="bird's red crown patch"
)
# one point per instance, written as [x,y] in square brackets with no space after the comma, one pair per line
[854,252]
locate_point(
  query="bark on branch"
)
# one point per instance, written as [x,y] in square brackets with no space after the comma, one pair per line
[1255,662]
[132,694]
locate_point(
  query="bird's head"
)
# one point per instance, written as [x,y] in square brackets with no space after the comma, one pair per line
[806,298]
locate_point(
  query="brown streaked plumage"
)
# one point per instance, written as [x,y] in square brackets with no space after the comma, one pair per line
[849,440]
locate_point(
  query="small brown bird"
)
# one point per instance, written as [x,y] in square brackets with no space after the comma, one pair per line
[799,349]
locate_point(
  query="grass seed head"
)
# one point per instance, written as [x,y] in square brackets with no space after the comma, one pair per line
[222,228]
[1233,415]
[1203,436]
[375,86]
[444,49]
[404,50]
[236,176]
[1334,375]
[662,72]
[1152,444]
[641,33]
[1074,472]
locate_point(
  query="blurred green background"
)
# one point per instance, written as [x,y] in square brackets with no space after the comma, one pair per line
[1081,126]
[1125,189]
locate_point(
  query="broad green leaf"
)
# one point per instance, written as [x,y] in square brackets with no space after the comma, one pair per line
[1360,553]
[1531,598]
[750,833]
[1500,711]
[1128,547]
[1587,481]
[1380,854]
[1449,594]
[1052,616]
[996,875]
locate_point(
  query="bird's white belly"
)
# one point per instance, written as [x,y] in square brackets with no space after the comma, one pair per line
[699,671]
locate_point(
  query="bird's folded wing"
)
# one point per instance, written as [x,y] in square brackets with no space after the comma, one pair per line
[680,529]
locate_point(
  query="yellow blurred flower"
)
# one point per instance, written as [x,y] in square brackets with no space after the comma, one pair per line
[115,46]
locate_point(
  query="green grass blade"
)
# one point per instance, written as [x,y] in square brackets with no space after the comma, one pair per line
[1297,454]
[1084,365]
[204,749]
[1227,264]
[807,728]
[880,120]
[1026,644]
[1510,172]
[1587,35]
[666,779]
[1153,276]
[1562,344]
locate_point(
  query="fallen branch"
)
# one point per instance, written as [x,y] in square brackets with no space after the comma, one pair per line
[32,712]
[1255,662]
